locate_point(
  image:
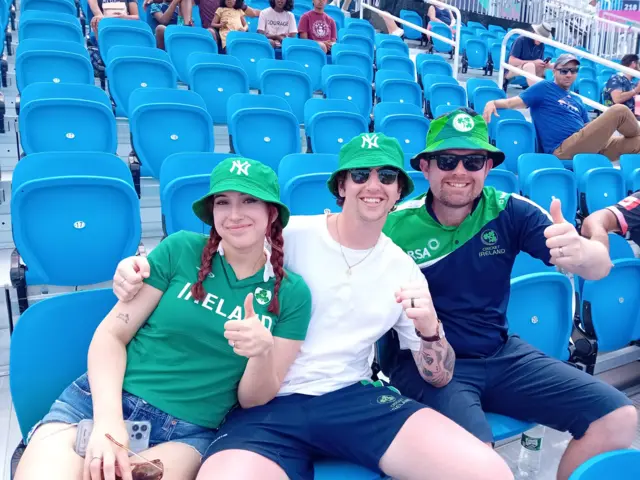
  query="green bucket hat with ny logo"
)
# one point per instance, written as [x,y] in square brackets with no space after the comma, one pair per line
[371,150]
[242,175]
[461,129]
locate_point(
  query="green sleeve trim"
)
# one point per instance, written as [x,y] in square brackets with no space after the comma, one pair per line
[295,308]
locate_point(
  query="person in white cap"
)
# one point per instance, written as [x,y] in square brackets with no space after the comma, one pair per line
[528,54]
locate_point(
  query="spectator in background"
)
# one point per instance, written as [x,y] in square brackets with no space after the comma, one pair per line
[562,122]
[230,18]
[277,22]
[208,11]
[619,89]
[528,55]
[317,25]
[440,15]
[112,8]
[162,14]
[620,218]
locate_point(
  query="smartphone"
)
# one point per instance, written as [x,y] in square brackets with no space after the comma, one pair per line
[547,60]
[139,435]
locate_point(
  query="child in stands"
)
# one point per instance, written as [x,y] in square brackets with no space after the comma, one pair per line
[317,25]
[127,9]
[277,22]
[229,18]
[162,14]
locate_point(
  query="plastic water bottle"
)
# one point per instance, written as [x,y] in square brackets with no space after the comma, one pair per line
[530,453]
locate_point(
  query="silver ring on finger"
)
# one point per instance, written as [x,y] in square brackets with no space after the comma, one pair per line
[96,458]
[233,344]
[413,305]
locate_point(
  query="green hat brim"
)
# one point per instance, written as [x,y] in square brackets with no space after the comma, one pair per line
[332,183]
[460,143]
[205,212]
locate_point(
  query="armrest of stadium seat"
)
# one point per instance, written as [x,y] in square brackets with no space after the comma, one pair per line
[134,166]
[18,276]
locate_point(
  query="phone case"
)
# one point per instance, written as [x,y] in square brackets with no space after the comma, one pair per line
[139,435]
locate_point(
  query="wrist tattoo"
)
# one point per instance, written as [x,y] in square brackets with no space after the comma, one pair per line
[435,362]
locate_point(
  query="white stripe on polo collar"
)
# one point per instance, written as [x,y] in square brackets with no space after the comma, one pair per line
[268,268]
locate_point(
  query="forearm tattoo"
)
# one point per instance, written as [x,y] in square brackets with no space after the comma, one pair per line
[124,317]
[435,362]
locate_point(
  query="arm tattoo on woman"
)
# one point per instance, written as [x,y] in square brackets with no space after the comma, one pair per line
[435,362]
[124,317]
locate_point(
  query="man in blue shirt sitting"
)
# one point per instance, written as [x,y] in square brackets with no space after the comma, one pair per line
[528,54]
[619,88]
[561,118]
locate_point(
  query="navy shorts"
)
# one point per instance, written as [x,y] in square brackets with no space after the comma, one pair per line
[520,382]
[75,404]
[355,424]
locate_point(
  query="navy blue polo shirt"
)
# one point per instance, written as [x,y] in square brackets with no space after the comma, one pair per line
[468,267]
[524,48]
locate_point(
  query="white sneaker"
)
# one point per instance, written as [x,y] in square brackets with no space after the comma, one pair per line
[346,13]
[398,32]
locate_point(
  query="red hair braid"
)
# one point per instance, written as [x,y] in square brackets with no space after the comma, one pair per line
[274,236]
[209,250]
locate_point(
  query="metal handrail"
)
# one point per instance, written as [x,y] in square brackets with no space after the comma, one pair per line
[455,43]
[577,52]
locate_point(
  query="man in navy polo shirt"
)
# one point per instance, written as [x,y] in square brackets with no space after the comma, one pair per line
[465,238]
[621,218]
[528,54]
[561,118]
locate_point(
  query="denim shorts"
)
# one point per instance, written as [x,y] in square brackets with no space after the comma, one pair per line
[75,404]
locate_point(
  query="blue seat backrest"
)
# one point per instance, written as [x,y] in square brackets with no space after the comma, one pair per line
[528,162]
[118,31]
[583,162]
[429,80]
[630,165]
[619,247]
[383,75]
[540,311]
[383,109]
[246,100]
[475,83]
[273,64]
[444,31]
[83,203]
[435,68]
[515,137]
[483,95]
[50,25]
[337,15]
[318,105]
[382,52]
[503,115]
[217,78]
[363,27]
[288,80]
[397,62]
[412,17]
[503,180]
[351,87]
[526,264]
[249,48]
[614,296]
[184,178]
[361,42]
[308,54]
[348,55]
[182,40]
[329,70]
[422,58]
[448,93]
[298,164]
[49,349]
[618,464]
[60,6]
[391,42]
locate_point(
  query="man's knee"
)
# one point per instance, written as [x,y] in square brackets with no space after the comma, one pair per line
[617,428]
[619,109]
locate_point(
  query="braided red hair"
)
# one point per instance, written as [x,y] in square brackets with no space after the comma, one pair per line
[209,250]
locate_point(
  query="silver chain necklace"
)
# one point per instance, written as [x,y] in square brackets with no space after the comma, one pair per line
[344,257]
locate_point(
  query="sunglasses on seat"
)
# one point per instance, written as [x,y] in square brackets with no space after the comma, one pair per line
[386,175]
[449,161]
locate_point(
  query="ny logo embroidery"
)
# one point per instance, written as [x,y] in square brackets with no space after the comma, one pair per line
[369,140]
[241,168]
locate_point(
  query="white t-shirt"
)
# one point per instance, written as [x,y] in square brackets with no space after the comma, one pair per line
[349,312]
[277,23]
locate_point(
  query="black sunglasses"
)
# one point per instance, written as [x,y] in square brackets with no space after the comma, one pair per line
[386,175]
[449,161]
[566,71]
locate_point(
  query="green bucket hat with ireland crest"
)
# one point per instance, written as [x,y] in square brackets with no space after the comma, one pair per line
[371,150]
[461,129]
[245,176]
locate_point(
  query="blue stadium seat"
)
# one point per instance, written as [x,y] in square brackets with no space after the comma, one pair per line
[252,23]
[587,73]
[503,115]
[444,31]
[262,127]
[56,6]
[619,247]
[49,349]
[503,427]
[495,50]
[65,117]
[84,204]
[347,55]
[618,464]
[382,52]
[250,48]
[589,88]
[483,95]
[49,25]
[488,37]
[184,178]
[446,94]
[615,296]
[503,180]
[420,183]
[599,183]
[216,78]
[474,83]
[497,29]
[308,54]
[630,165]
[389,60]
[543,177]
[118,31]
[330,123]
[342,82]
[404,122]
[391,42]
[336,14]
[181,41]
[477,52]
[336,469]
[288,80]
[361,42]
[526,264]
[416,19]
[165,121]
[515,137]
[303,183]
[444,109]
[397,86]
[39,60]
[422,58]
[429,80]
[466,34]
[361,27]
[131,68]
[430,66]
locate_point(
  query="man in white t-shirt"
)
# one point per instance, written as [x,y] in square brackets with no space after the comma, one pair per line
[277,22]
[362,285]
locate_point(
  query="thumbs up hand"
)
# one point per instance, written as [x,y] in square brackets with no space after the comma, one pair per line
[248,337]
[563,241]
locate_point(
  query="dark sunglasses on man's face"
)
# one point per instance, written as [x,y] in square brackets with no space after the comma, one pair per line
[567,71]
[449,161]
[386,175]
